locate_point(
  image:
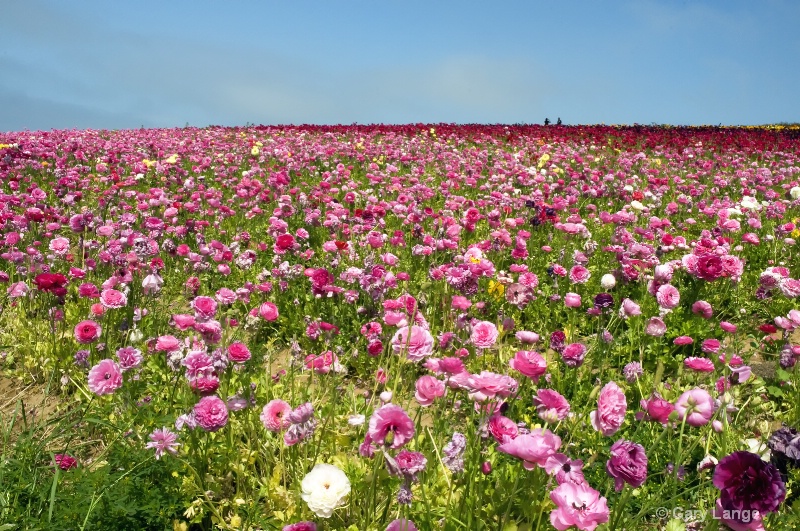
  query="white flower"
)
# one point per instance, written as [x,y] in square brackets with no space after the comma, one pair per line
[356,420]
[324,489]
[794,193]
[750,203]
[608,281]
[637,205]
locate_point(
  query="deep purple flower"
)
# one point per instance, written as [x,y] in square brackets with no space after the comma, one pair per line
[628,464]
[746,482]
[603,301]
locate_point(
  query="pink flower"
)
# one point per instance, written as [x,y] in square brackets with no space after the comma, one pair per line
[657,408]
[87,332]
[655,327]
[65,462]
[415,342]
[579,274]
[129,358]
[529,363]
[484,334]
[533,448]
[572,300]
[428,388]
[524,336]
[204,307]
[105,378]
[183,321]
[710,346]
[550,405]
[163,440]
[611,409]
[564,469]
[696,405]
[579,505]
[699,364]
[226,296]
[111,298]
[268,311]
[168,344]
[629,309]
[390,425]
[274,415]
[460,302]
[668,296]
[503,429]
[728,327]
[322,364]
[211,413]
[573,354]
[238,352]
[703,309]
[489,384]
[683,340]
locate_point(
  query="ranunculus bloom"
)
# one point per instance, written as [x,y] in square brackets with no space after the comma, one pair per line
[87,332]
[415,342]
[503,429]
[696,405]
[211,413]
[268,311]
[428,388]
[628,464]
[658,409]
[683,340]
[710,346]
[572,300]
[699,364]
[611,409]
[401,524]
[629,309]
[105,378]
[390,425]
[324,489]
[579,505]
[525,336]
[111,298]
[573,354]
[274,415]
[301,526]
[668,296]
[238,352]
[168,344]
[655,327]
[533,448]
[703,309]
[129,357]
[484,334]
[579,274]
[550,405]
[488,384]
[204,307]
[747,483]
[65,462]
[529,363]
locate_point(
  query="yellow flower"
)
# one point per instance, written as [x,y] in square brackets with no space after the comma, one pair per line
[496,289]
[254,151]
[172,159]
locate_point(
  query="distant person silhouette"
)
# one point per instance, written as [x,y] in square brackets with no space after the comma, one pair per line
[559,121]
[547,121]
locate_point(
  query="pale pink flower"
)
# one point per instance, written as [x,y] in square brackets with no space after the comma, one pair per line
[428,389]
[611,409]
[696,405]
[211,413]
[532,448]
[163,440]
[579,505]
[550,405]
[415,342]
[668,296]
[484,334]
[111,298]
[579,274]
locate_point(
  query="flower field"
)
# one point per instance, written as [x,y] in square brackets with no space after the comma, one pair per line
[400,327]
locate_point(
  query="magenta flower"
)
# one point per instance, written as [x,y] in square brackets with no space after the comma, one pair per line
[488,385]
[163,440]
[657,408]
[301,526]
[529,363]
[238,352]
[65,462]
[579,505]
[703,309]
[105,378]
[699,364]
[211,413]
[401,524]
[111,298]
[696,405]
[579,274]
[205,308]
[502,429]
[532,448]
[87,332]
[390,425]
[611,409]
[268,311]
[573,354]
[550,405]
[628,464]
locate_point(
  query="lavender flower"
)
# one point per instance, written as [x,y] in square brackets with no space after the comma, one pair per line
[454,453]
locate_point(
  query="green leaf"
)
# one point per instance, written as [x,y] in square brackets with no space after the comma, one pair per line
[774,391]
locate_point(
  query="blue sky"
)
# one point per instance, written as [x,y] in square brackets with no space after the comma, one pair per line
[101,64]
